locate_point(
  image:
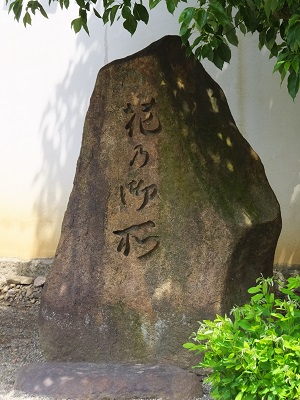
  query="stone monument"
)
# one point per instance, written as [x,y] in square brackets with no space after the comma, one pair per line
[170,220]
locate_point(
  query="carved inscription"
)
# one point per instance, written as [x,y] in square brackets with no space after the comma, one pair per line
[130,233]
[143,121]
[138,189]
[140,154]
[149,124]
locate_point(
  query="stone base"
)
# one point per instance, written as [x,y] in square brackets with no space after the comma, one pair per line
[32,267]
[108,381]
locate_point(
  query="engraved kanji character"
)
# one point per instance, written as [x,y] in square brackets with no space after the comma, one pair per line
[137,189]
[147,107]
[140,152]
[131,233]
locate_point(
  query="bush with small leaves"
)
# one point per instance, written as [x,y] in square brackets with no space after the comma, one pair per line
[254,353]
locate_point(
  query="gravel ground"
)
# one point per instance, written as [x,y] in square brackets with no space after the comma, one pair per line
[19,345]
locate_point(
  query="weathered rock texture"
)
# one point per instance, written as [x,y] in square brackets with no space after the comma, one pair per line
[170,220]
[108,381]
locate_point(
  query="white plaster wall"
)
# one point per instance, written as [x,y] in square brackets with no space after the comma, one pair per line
[270,121]
[47,74]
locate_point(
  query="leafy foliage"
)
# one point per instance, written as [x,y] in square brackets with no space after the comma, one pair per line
[211,26]
[254,354]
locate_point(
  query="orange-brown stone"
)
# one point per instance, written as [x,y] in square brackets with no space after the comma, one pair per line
[170,220]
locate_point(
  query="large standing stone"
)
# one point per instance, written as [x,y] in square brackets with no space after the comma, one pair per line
[170,220]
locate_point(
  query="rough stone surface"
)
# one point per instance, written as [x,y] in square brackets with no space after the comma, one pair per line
[170,220]
[19,280]
[39,281]
[33,267]
[113,381]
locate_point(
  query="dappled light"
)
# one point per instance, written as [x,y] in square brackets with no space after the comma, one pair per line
[254,154]
[213,101]
[229,142]
[216,158]
[47,382]
[62,289]
[80,380]
[296,195]
[230,166]
[247,218]
[164,290]
[180,84]
[194,147]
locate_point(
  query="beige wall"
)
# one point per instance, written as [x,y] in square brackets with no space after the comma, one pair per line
[46,78]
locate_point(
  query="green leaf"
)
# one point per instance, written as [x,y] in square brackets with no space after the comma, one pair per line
[27,19]
[113,13]
[140,12]
[185,37]
[243,28]
[81,3]
[85,27]
[17,9]
[153,3]
[274,50]
[245,324]
[42,11]
[224,52]
[282,74]
[83,15]
[277,66]
[196,42]
[293,84]
[126,12]
[255,289]
[187,15]
[270,5]
[219,62]
[171,5]
[96,13]
[239,396]
[183,29]
[232,37]
[207,52]
[190,346]
[130,24]
[201,18]
[76,24]
[294,19]
[106,15]
[257,297]
[220,14]
[251,4]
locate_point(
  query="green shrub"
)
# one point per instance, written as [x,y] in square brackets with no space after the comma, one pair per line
[255,354]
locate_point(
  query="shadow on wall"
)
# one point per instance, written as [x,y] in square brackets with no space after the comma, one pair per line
[61,139]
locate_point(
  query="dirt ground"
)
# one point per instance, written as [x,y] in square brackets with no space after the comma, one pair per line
[19,343]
